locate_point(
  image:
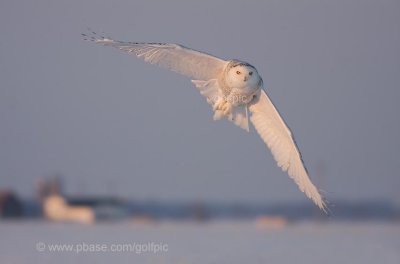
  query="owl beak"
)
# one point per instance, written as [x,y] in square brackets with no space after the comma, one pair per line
[245,78]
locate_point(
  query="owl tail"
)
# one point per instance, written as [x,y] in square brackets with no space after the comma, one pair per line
[239,116]
[210,90]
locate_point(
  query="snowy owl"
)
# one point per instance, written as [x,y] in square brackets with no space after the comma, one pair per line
[234,90]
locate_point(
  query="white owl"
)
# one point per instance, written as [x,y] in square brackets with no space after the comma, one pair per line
[233,88]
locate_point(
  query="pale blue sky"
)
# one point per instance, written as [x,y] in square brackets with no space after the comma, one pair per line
[112,124]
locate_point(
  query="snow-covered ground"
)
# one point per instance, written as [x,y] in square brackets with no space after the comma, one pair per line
[191,242]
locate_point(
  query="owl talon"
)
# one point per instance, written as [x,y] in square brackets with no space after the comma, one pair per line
[227,108]
[219,105]
[227,111]
[215,107]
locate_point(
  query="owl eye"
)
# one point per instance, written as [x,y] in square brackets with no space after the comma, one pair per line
[238,72]
[250,73]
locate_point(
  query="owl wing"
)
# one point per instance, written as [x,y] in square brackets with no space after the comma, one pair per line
[194,64]
[277,136]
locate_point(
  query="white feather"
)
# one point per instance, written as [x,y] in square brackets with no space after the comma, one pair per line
[274,132]
[194,64]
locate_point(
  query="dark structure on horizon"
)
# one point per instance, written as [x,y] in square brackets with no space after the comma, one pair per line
[10,205]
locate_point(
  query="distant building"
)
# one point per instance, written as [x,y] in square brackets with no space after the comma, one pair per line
[10,205]
[55,208]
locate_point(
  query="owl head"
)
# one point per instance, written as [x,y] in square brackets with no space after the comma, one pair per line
[241,75]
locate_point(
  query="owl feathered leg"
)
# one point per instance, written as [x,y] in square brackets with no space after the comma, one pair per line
[235,113]
[221,106]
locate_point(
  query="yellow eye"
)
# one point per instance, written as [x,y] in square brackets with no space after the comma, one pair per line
[238,72]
